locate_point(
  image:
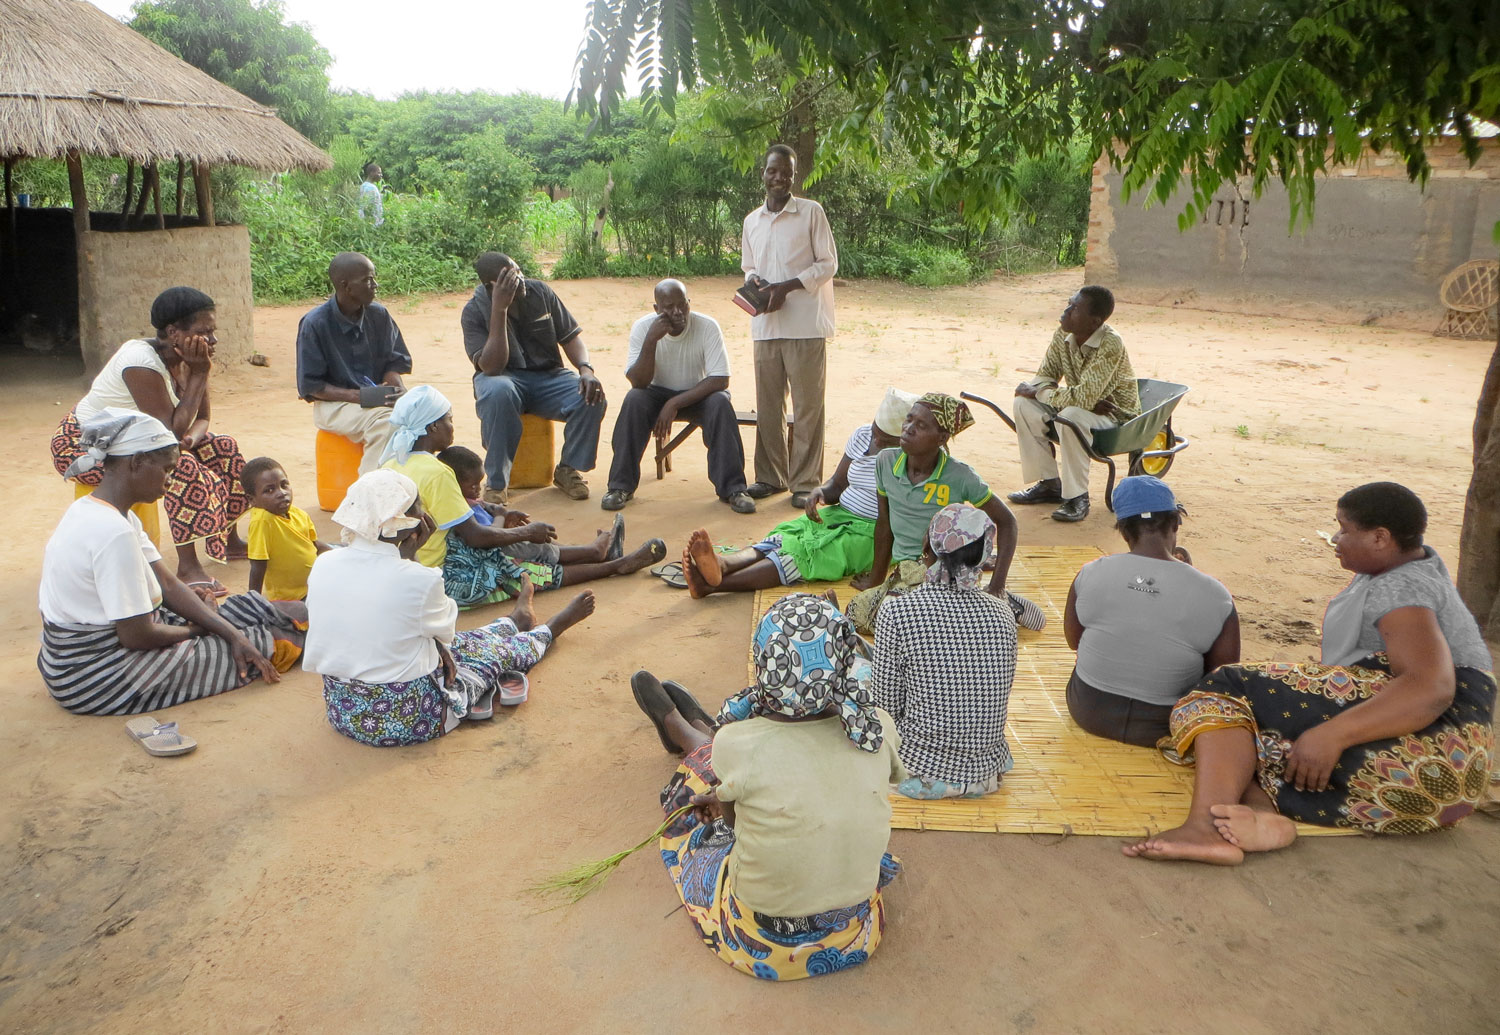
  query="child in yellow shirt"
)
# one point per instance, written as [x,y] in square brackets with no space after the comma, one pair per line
[282,541]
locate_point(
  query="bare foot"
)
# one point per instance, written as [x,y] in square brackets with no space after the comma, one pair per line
[1189,844]
[705,557]
[832,596]
[522,614]
[697,588]
[649,552]
[1253,830]
[601,544]
[577,609]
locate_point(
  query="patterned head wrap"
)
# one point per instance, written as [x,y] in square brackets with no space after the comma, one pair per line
[118,432]
[953,528]
[177,303]
[411,415]
[376,505]
[805,650]
[951,414]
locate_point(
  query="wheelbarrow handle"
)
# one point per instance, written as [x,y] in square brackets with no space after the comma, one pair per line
[985,402]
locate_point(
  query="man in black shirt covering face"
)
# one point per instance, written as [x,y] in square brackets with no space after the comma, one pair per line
[516,332]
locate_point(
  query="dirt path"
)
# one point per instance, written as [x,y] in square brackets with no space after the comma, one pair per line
[284,879]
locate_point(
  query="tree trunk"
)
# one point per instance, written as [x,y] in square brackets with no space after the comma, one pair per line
[203,188]
[1479,543]
[800,130]
[602,216]
[79,193]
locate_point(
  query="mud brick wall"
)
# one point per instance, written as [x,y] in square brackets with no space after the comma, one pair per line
[120,274]
[1378,244]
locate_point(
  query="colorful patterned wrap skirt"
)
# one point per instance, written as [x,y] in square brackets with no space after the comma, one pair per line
[203,496]
[1401,785]
[473,576]
[419,710]
[773,948]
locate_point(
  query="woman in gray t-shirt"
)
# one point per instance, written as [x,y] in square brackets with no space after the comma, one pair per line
[1390,733]
[1146,625]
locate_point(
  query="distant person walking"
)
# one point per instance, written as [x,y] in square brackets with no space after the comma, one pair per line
[788,255]
[371,206]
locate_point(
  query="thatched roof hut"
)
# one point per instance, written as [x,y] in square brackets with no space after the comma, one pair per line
[73,79]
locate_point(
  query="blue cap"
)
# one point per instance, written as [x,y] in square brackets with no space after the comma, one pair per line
[1143,496]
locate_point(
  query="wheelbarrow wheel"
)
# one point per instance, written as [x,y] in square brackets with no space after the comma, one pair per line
[1156,466]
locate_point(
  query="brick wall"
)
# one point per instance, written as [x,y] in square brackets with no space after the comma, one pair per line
[120,274]
[1378,247]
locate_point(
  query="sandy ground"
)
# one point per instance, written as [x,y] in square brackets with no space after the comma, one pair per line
[285,879]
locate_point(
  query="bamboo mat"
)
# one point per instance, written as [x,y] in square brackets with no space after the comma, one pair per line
[1065,781]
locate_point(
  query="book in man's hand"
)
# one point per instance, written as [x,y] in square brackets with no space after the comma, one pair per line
[751,299]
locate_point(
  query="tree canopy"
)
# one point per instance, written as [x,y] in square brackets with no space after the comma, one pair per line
[249,46]
[1183,93]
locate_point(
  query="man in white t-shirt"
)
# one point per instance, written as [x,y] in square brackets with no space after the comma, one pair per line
[677,368]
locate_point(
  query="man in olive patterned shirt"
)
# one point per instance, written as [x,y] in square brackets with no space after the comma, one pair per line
[1085,378]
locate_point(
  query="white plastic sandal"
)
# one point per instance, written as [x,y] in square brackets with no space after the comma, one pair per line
[159,738]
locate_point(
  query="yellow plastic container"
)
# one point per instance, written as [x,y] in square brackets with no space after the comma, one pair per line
[149,513]
[337,461]
[533,464]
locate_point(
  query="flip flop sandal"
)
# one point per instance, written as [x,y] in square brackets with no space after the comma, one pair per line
[687,705]
[667,569]
[676,581]
[654,701]
[217,588]
[617,540]
[159,738]
[513,688]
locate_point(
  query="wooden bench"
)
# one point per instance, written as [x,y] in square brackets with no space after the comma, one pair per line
[664,448]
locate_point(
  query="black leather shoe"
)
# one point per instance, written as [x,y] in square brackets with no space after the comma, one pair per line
[741,503]
[760,490]
[1075,509]
[1048,490]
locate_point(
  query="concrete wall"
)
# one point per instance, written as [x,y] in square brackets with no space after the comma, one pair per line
[1378,246]
[120,274]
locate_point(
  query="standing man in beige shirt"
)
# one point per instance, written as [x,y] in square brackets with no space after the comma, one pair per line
[788,255]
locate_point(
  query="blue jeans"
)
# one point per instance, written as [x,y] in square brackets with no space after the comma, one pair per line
[553,394]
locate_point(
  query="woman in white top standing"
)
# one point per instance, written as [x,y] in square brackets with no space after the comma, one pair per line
[120,634]
[1147,626]
[166,377]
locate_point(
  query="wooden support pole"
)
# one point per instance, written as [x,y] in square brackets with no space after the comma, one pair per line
[204,189]
[180,164]
[129,187]
[161,217]
[79,192]
[145,194]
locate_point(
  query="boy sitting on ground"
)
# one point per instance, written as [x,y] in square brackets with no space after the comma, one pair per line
[282,540]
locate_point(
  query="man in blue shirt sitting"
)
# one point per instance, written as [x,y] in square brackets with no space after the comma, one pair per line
[516,331]
[350,358]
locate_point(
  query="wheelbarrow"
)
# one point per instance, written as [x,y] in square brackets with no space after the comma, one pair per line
[1147,439]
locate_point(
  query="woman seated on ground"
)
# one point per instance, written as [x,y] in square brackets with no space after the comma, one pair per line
[382,631]
[167,378]
[823,545]
[483,564]
[1147,626]
[120,633]
[780,867]
[1390,734]
[945,658]
[913,483]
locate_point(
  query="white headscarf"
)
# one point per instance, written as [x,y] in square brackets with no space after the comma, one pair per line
[411,415]
[118,432]
[376,505]
[893,410]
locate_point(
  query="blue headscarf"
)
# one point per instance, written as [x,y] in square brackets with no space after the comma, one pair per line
[805,652]
[411,415]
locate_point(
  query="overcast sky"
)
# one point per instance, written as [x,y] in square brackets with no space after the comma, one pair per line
[387,47]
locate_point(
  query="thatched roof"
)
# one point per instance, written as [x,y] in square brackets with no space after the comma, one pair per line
[74,79]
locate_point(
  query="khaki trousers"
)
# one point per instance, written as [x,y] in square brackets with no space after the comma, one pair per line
[369,427]
[801,365]
[1037,461]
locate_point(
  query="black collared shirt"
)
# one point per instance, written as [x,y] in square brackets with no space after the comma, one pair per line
[336,352]
[538,323]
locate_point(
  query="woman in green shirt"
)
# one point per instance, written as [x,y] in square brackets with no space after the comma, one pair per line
[913,483]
